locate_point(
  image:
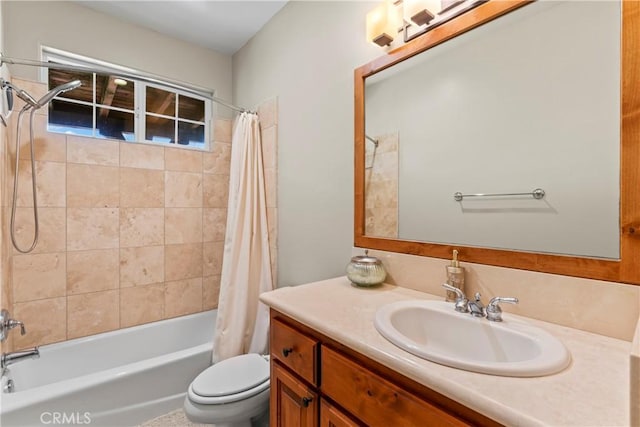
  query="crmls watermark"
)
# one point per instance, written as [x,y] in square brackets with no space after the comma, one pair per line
[65,418]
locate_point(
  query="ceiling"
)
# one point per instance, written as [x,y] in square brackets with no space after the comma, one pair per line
[223,26]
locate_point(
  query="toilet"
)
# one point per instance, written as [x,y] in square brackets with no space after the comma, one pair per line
[231,393]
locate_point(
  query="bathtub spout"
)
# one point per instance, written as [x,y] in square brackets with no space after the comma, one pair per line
[10,358]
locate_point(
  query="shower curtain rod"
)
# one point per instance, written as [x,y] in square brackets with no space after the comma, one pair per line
[139,76]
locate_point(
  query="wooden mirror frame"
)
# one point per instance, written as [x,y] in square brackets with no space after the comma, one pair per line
[627,268]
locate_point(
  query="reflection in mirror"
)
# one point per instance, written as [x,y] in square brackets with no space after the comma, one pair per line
[529,100]
[381,185]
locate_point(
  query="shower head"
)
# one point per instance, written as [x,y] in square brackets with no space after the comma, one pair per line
[9,88]
[57,91]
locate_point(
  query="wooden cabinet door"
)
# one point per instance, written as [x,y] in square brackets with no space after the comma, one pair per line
[293,404]
[330,416]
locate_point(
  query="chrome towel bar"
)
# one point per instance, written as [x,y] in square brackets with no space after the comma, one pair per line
[538,193]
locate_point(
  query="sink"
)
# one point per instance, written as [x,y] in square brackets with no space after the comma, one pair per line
[432,330]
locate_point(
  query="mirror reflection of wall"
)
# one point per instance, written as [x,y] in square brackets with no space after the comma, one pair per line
[381,185]
[507,108]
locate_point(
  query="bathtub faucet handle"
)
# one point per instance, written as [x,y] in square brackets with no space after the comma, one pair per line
[12,323]
[7,323]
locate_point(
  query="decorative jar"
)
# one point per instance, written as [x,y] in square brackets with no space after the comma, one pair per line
[365,270]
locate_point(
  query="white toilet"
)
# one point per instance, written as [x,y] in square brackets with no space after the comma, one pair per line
[231,393]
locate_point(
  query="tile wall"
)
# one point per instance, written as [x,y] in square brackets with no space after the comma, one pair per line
[381,186]
[129,233]
[575,302]
[268,114]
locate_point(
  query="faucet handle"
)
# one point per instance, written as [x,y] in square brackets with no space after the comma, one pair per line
[461,304]
[12,323]
[494,312]
[6,324]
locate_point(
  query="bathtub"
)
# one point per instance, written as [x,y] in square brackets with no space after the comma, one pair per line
[118,378]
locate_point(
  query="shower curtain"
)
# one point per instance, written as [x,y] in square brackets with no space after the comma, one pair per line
[242,324]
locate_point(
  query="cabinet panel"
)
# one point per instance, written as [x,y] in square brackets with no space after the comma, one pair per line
[293,404]
[295,350]
[330,416]
[375,400]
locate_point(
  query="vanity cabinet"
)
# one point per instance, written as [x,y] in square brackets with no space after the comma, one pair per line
[317,381]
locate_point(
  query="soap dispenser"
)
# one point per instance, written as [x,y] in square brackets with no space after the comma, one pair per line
[455,276]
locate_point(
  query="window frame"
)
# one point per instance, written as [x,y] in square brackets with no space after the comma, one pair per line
[139,111]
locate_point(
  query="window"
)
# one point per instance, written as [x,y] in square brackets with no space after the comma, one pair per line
[110,106]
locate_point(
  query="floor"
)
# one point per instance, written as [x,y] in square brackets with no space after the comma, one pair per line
[176,418]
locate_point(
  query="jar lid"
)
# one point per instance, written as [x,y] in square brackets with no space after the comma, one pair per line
[366,259]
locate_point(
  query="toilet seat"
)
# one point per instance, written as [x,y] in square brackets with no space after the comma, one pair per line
[231,380]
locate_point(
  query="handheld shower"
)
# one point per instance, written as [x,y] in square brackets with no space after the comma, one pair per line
[33,105]
[20,93]
[55,92]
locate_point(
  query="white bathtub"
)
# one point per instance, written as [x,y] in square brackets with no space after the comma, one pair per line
[118,378]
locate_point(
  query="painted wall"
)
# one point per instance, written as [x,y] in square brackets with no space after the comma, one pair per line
[310,69]
[305,56]
[77,29]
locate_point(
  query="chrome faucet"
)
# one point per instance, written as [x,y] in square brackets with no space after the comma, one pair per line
[475,307]
[6,324]
[461,303]
[10,358]
[492,311]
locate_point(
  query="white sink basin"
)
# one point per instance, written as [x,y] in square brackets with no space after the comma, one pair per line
[433,330]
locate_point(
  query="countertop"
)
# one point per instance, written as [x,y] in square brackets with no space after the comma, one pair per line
[592,391]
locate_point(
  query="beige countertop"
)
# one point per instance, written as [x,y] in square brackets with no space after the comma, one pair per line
[592,391]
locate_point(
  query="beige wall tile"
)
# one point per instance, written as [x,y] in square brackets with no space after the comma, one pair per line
[183,189]
[272,223]
[218,160]
[38,276]
[92,186]
[141,266]
[93,313]
[214,223]
[270,183]
[142,156]
[141,227]
[52,226]
[183,225]
[35,89]
[216,191]
[141,188]
[183,261]
[180,159]
[270,147]
[273,254]
[222,129]
[48,146]
[50,178]
[210,292]
[183,297]
[92,228]
[212,255]
[45,321]
[268,113]
[92,151]
[92,271]
[142,304]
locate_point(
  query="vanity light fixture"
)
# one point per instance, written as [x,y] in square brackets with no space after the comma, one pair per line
[412,18]
[420,12]
[382,23]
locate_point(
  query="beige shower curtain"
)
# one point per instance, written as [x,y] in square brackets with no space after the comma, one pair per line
[242,324]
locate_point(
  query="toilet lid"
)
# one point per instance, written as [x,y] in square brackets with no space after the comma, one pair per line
[232,376]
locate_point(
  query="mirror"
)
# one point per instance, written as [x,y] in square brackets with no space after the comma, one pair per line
[527,101]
